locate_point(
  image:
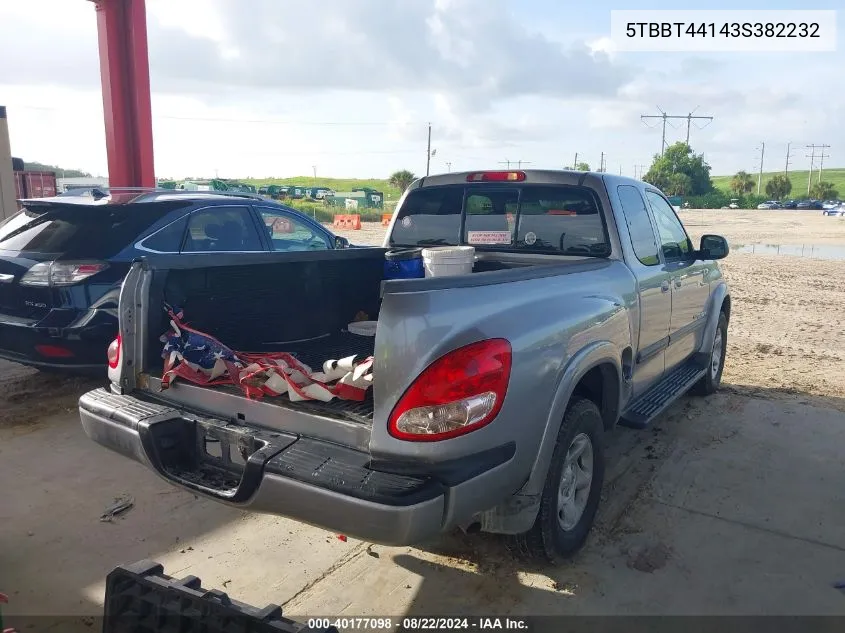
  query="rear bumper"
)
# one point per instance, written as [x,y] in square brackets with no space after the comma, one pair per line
[312,481]
[84,345]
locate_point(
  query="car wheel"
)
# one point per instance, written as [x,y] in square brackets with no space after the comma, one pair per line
[713,378]
[572,490]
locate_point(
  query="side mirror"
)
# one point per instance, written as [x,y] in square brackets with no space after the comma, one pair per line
[341,242]
[713,247]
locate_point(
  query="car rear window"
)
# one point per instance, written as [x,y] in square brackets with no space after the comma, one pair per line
[561,220]
[79,231]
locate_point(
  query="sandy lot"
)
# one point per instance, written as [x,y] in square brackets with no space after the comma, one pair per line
[731,504]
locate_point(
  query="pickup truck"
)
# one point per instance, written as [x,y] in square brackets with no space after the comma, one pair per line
[587,306]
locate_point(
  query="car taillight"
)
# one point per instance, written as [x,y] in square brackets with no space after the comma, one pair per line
[458,393]
[496,176]
[61,273]
[114,352]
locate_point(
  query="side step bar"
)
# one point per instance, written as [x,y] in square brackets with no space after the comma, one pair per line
[654,401]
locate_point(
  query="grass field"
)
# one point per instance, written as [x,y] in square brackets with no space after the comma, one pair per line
[338,184]
[836,176]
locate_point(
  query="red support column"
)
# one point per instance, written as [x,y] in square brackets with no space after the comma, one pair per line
[125,74]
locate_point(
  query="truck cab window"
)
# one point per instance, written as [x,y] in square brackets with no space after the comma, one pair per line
[561,220]
[429,217]
[674,240]
[639,225]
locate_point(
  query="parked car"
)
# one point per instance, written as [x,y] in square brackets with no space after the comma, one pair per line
[62,260]
[838,211]
[831,204]
[789,204]
[587,305]
[769,204]
[809,204]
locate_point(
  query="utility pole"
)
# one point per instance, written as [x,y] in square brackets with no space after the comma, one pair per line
[788,157]
[822,156]
[760,173]
[449,166]
[519,163]
[665,117]
[505,162]
[428,153]
[575,164]
[601,163]
[620,170]
[812,158]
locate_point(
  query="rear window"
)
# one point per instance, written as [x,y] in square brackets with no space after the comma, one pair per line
[559,220]
[78,231]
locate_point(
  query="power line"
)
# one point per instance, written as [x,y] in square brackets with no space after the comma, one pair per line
[518,163]
[667,117]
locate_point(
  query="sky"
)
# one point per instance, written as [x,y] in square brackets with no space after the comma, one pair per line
[347,88]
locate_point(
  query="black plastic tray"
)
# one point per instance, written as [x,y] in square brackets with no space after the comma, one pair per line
[141,598]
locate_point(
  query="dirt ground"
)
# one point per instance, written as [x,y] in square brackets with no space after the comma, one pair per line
[730,504]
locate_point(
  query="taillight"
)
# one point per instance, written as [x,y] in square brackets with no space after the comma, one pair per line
[458,393]
[61,273]
[114,352]
[496,176]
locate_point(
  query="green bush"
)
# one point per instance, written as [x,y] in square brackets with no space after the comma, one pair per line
[713,200]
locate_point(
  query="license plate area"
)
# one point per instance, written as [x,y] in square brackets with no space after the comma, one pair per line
[212,456]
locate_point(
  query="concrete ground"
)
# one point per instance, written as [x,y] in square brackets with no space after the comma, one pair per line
[731,504]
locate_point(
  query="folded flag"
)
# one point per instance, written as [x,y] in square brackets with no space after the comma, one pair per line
[200,358]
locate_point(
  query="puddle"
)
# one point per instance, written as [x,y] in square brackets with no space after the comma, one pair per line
[817,251]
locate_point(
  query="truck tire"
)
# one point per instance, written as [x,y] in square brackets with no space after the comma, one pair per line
[572,490]
[709,384]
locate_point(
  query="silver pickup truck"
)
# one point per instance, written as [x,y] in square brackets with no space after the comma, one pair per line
[588,305]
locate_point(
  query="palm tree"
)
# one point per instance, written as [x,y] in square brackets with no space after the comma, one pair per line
[824,191]
[402,179]
[742,183]
[778,187]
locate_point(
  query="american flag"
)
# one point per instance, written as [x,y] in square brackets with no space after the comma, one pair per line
[200,358]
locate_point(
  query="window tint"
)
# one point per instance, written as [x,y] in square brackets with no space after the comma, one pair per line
[168,239]
[430,216]
[673,239]
[561,220]
[79,231]
[222,229]
[639,225]
[288,233]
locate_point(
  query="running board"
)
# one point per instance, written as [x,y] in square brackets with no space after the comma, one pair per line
[654,401]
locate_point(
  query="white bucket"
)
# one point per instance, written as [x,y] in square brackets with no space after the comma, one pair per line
[447,261]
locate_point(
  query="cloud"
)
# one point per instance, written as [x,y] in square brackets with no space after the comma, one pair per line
[474,50]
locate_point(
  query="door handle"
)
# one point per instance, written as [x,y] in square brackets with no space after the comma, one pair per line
[664,286]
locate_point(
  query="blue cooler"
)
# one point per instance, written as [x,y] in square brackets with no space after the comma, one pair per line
[405,263]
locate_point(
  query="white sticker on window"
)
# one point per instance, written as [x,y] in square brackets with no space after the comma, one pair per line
[488,237]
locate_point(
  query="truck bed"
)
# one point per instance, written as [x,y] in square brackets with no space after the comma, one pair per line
[314,353]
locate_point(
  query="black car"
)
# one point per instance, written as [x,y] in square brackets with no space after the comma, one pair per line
[62,260]
[789,204]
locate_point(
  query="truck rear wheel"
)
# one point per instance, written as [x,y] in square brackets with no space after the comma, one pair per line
[573,487]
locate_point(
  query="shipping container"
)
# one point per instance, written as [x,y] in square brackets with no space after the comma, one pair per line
[35,184]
